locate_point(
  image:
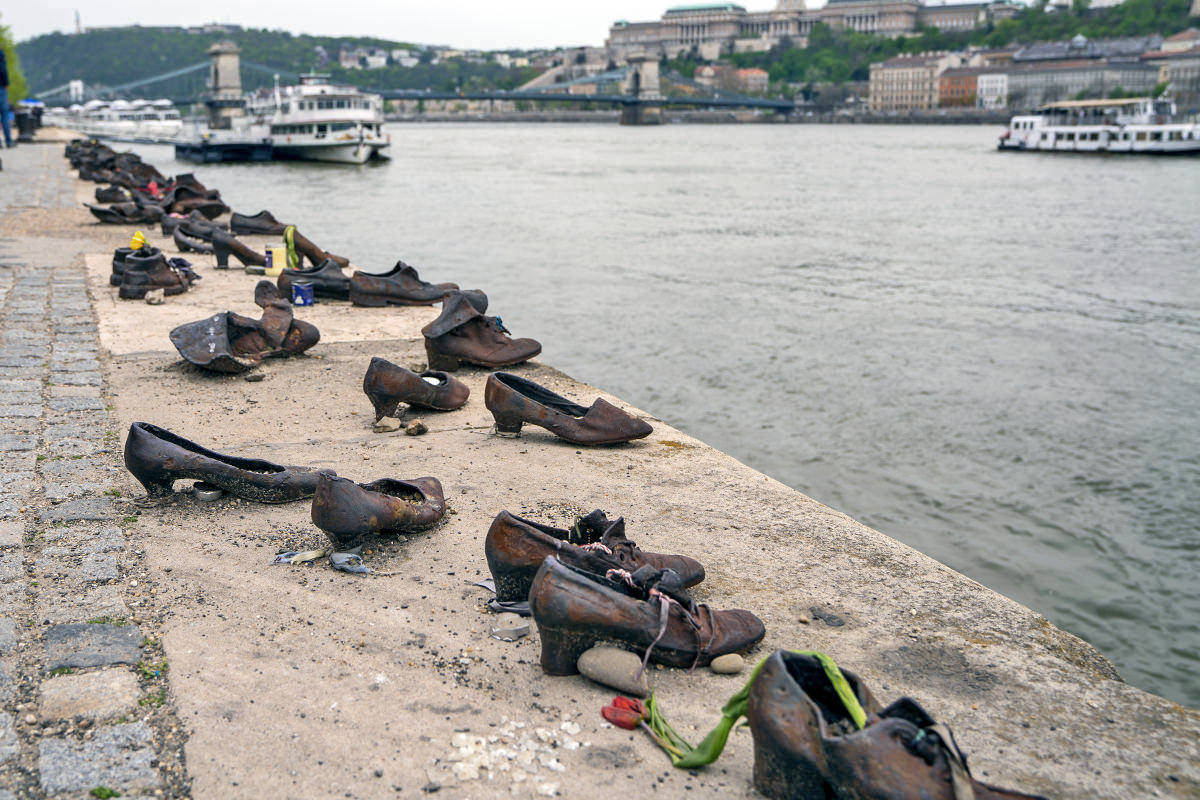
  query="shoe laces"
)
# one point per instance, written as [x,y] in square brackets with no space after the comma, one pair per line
[665,602]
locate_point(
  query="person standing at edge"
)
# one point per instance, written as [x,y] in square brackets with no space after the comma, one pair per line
[8,142]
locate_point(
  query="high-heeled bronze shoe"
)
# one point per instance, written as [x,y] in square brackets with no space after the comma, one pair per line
[226,244]
[387,385]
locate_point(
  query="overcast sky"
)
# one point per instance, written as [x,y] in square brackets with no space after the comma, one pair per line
[477,24]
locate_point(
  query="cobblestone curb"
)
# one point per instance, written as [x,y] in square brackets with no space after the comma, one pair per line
[85,703]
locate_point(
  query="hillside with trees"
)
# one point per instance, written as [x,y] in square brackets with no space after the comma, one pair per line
[115,56]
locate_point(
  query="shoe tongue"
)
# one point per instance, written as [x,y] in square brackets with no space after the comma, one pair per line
[588,529]
[409,271]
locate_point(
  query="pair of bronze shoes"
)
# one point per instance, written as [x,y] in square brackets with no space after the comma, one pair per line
[514,401]
[231,343]
[591,584]
[807,745]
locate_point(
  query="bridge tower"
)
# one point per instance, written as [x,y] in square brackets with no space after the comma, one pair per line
[642,83]
[224,98]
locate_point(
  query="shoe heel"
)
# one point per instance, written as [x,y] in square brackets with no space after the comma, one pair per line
[222,256]
[508,427]
[561,650]
[156,490]
[442,361]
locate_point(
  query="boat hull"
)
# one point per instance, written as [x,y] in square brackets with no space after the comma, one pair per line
[341,153]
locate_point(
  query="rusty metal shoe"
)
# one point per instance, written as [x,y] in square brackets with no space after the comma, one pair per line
[461,333]
[387,385]
[399,287]
[158,458]
[575,610]
[189,244]
[232,343]
[807,746]
[315,255]
[327,280]
[118,264]
[148,269]
[226,244]
[261,224]
[515,548]
[351,512]
[514,401]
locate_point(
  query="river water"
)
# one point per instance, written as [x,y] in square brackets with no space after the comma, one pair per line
[989,356]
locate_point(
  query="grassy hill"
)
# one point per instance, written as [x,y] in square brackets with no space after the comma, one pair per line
[117,56]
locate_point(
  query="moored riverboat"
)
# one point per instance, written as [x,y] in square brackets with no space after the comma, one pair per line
[1137,125]
[320,121]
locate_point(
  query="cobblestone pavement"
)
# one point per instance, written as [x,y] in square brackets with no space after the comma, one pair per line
[84,700]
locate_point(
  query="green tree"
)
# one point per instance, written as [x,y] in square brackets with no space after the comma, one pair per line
[17,88]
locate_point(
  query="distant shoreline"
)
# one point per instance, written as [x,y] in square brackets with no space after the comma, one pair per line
[704,118]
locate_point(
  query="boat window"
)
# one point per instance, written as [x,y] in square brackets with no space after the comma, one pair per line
[1156,136]
[1141,137]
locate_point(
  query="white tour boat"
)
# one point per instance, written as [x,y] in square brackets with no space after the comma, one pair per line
[319,121]
[1130,125]
[123,120]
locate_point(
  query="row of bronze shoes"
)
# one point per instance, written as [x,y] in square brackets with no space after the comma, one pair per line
[589,584]
[137,192]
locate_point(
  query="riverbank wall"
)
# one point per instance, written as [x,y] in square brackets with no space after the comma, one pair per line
[280,681]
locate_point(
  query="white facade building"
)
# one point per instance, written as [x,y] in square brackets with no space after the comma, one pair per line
[992,90]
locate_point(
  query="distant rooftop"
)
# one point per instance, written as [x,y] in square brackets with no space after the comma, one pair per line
[1082,47]
[705,7]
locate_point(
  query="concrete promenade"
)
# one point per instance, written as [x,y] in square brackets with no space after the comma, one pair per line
[157,653]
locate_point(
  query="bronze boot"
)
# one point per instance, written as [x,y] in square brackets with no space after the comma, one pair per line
[315,255]
[515,548]
[462,334]
[807,747]
[327,280]
[387,385]
[575,610]
[149,271]
[399,287]
[514,401]
[349,512]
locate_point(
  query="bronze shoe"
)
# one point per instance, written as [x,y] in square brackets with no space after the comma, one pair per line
[148,269]
[575,610]
[514,401]
[807,747]
[515,548]
[349,512]
[261,224]
[118,264]
[461,333]
[399,287]
[327,279]
[226,244]
[387,385]
[158,458]
[315,255]
[232,343]
[188,244]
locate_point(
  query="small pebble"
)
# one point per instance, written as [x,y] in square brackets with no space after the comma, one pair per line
[254,377]
[416,428]
[728,664]
[616,668]
[154,297]
[387,425]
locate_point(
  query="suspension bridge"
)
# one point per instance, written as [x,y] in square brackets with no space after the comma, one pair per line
[635,89]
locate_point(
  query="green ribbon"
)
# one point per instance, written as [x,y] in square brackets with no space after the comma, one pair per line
[684,756]
[292,258]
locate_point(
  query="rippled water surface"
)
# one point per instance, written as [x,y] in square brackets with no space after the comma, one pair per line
[992,357]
